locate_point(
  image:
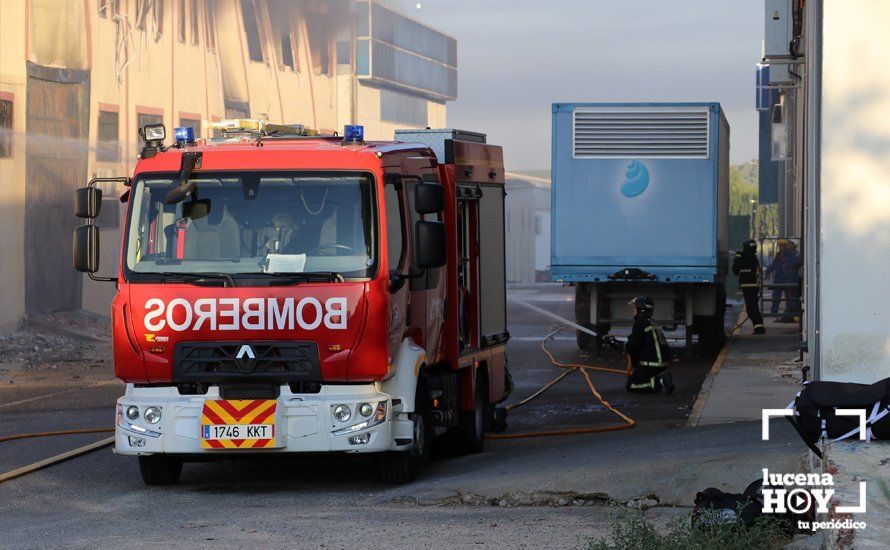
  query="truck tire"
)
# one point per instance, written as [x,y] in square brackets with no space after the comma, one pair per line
[585,341]
[710,329]
[400,467]
[160,469]
[472,424]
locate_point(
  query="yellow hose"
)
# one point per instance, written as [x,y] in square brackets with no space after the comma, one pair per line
[571,367]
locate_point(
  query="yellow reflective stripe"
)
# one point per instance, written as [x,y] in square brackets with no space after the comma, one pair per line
[652,364]
[748,285]
[758,326]
[745,270]
[654,330]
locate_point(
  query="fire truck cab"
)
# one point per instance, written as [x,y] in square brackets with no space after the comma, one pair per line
[285,292]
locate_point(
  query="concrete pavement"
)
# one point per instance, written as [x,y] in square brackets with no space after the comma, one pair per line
[755,372]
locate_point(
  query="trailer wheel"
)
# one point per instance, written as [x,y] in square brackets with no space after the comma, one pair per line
[399,467]
[711,333]
[160,469]
[472,424]
[585,341]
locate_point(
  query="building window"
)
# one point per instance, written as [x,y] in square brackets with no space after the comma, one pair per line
[252,30]
[319,46]
[209,25]
[287,50]
[5,128]
[108,149]
[103,8]
[403,108]
[180,22]
[344,56]
[187,122]
[193,21]
[109,215]
[142,9]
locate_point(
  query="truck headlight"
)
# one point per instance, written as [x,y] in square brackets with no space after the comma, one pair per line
[378,418]
[152,415]
[342,413]
[365,409]
[132,412]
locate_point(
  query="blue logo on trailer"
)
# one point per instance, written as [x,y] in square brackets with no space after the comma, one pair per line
[636,179]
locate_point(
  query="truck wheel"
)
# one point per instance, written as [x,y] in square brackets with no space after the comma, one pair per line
[472,424]
[399,467]
[160,469]
[585,341]
[710,333]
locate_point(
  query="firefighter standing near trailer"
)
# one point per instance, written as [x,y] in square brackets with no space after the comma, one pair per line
[747,267]
[648,350]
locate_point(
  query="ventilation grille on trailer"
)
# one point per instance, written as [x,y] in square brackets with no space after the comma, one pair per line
[639,133]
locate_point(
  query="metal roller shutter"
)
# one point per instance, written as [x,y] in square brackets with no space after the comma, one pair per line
[492,289]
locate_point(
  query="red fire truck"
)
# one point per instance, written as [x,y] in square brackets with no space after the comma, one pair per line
[283,292]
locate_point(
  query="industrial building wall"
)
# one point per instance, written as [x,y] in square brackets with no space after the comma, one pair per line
[13,79]
[854,193]
[188,62]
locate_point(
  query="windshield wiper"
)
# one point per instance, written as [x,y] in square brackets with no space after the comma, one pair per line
[197,278]
[304,276]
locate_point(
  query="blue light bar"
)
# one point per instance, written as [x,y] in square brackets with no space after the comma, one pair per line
[184,136]
[353,133]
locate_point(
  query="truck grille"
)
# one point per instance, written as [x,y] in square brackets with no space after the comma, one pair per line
[641,132]
[218,362]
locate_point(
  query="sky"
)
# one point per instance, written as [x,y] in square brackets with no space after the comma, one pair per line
[517,57]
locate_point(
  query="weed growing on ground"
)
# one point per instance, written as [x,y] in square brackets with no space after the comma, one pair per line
[631,531]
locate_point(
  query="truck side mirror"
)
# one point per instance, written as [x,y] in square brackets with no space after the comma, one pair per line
[429,197]
[430,244]
[85,249]
[87,202]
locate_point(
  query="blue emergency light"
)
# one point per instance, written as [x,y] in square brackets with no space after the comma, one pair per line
[353,133]
[184,136]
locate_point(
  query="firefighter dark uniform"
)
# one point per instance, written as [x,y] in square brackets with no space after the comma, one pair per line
[648,350]
[747,267]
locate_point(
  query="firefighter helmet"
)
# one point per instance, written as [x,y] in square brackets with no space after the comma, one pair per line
[749,246]
[645,306]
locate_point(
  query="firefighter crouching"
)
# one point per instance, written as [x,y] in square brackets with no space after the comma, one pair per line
[648,349]
[747,267]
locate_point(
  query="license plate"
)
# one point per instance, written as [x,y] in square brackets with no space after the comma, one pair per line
[238,424]
[238,431]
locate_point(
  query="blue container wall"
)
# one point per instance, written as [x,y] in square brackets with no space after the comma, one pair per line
[659,214]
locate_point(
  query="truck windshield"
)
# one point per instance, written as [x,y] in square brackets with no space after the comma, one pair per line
[253,223]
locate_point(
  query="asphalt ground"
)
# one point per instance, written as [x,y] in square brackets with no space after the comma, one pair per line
[99,499]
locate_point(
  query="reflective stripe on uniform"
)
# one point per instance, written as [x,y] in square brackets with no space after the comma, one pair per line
[654,330]
[649,384]
[652,364]
[750,285]
[745,270]
[758,326]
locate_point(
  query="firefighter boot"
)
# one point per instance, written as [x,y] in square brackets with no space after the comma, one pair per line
[665,382]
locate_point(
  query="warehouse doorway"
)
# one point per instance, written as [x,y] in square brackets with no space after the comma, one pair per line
[56,165]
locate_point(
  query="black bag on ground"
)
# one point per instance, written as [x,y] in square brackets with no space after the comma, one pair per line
[713,506]
[815,411]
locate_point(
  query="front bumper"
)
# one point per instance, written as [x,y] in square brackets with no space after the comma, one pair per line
[304,423]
